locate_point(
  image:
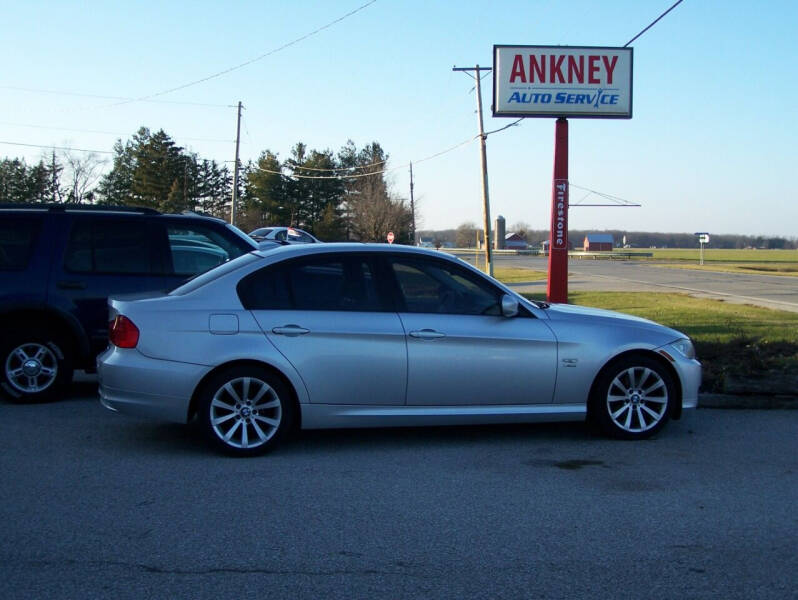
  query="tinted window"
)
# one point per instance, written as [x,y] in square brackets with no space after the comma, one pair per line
[319,284]
[196,248]
[17,235]
[431,286]
[108,246]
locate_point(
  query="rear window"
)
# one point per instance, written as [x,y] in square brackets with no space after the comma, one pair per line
[197,282]
[17,238]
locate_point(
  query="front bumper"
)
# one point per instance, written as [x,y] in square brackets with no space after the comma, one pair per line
[135,384]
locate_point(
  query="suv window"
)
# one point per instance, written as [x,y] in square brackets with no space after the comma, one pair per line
[108,246]
[437,287]
[17,236]
[322,283]
[195,248]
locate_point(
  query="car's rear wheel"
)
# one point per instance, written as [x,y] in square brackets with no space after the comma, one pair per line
[245,410]
[35,366]
[632,397]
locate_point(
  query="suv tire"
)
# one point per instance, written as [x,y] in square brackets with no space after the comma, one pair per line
[35,365]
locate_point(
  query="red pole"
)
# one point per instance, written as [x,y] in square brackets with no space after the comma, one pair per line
[557,288]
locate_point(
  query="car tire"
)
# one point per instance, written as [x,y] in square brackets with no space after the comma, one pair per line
[36,366]
[245,410]
[632,397]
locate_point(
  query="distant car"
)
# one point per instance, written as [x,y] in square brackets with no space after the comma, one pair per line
[371,335]
[286,235]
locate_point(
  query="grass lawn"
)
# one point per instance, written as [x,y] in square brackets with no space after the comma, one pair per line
[731,339]
[517,275]
[717,255]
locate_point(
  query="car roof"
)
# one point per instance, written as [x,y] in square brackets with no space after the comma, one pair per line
[293,250]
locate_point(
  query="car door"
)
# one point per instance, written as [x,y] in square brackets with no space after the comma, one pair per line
[104,255]
[460,349]
[325,315]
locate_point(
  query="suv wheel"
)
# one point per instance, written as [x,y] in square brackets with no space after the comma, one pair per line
[34,366]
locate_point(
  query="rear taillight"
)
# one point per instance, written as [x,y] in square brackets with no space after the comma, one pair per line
[123,333]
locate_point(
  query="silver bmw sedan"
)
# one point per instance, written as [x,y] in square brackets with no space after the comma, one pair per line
[354,335]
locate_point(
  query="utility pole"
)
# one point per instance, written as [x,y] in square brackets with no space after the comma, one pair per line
[412,208]
[55,178]
[484,160]
[235,170]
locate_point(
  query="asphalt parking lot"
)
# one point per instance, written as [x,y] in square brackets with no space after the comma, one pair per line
[98,505]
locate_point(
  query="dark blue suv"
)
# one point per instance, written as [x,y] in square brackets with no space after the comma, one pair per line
[59,264]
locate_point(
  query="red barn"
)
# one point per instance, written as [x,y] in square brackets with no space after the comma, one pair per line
[599,242]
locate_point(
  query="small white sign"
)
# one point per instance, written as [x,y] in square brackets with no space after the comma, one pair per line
[562,81]
[704,238]
[390,237]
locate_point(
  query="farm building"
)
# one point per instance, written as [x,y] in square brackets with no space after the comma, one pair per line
[513,241]
[598,242]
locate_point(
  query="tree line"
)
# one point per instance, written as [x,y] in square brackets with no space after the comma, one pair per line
[465,236]
[335,196]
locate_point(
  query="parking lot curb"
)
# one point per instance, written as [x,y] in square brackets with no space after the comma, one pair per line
[751,402]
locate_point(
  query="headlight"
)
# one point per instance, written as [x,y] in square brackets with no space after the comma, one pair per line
[685,348]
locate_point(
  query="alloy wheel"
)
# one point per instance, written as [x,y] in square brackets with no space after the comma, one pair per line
[31,368]
[637,399]
[245,413]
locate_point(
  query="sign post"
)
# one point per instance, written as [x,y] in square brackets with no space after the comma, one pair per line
[557,285]
[703,238]
[561,82]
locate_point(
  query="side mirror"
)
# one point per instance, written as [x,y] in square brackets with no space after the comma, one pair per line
[509,306]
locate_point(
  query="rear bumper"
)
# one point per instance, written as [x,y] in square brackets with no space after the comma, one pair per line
[134,384]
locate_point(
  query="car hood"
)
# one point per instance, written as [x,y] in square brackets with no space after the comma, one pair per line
[569,312]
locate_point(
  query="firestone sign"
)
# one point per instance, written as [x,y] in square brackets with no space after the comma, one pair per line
[562,81]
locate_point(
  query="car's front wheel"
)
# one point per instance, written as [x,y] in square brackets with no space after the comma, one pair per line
[245,410]
[632,397]
[36,366]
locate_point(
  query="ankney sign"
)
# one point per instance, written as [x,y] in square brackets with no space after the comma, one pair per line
[562,81]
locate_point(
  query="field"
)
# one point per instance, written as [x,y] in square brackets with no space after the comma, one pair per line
[516,275]
[734,342]
[715,255]
[756,262]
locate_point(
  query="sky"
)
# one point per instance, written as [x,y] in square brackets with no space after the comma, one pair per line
[711,145]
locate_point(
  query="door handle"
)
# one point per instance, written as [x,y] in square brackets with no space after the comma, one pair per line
[427,334]
[290,330]
[71,285]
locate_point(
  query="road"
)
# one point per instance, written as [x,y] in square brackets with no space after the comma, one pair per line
[98,505]
[619,275]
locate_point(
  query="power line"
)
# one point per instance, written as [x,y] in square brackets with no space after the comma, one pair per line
[654,22]
[615,199]
[100,97]
[249,62]
[55,147]
[193,139]
[380,172]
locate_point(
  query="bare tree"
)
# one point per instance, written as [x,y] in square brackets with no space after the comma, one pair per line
[82,173]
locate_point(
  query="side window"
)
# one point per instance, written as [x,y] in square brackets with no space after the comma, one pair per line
[304,237]
[17,236]
[108,246]
[195,248]
[431,286]
[317,284]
